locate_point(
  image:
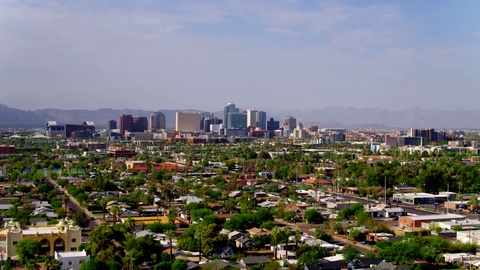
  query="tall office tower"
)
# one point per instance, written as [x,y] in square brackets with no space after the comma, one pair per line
[157,121]
[290,122]
[112,124]
[140,124]
[187,121]
[262,120]
[126,123]
[206,122]
[237,120]
[431,135]
[299,132]
[230,108]
[203,116]
[272,125]
[252,118]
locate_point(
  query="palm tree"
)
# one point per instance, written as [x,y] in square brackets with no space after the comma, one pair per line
[32,265]
[275,233]
[172,215]
[170,235]
[114,211]
[130,225]
[65,200]
[52,264]
[287,232]
[474,201]
[198,235]
[103,203]
[298,237]
[136,193]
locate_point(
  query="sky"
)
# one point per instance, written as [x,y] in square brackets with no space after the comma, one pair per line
[155,55]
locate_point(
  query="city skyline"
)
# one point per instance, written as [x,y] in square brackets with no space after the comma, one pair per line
[267,55]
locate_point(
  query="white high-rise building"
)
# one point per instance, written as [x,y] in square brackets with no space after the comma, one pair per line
[252,118]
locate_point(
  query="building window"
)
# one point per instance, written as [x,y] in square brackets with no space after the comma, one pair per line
[74,240]
[69,263]
[14,243]
[73,249]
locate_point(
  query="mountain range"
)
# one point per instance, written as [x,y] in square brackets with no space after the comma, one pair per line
[334,117]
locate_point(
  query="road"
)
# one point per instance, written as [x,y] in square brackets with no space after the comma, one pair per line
[414,209]
[73,204]
[310,228]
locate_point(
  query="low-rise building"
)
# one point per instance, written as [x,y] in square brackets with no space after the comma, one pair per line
[60,238]
[72,259]
[415,222]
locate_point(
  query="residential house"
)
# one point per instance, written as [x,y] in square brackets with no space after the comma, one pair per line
[244,242]
[390,266]
[364,263]
[72,259]
[254,260]
[394,212]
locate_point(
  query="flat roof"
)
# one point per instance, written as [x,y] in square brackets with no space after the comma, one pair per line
[71,254]
[436,217]
[40,230]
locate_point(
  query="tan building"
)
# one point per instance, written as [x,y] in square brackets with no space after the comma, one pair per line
[187,121]
[415,222]
[59,238]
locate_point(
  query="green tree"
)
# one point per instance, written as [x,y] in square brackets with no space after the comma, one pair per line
[31,265]
[350,253]
[311,214]
[322,235]
[310,254]
[357,235]
[52,264]
[180,265]
[27,249]
[104,243]
[80,219]
[93,264]
[9,264]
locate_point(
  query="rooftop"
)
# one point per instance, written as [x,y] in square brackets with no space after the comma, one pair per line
[71,254]
[436,217]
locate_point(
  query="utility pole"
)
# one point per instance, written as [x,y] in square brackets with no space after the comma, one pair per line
[448,197]
[385,190]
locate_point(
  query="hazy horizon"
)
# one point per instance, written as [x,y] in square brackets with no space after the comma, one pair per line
[152,55]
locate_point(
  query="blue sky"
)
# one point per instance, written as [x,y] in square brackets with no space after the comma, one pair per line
[259,54]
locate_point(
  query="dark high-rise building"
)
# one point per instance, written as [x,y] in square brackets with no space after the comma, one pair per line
[126,123]
[140,124]
[262,120]
[69,128]
[210,121]
[86,130]
[273,125]
[157,121]
[290,122]
[112,124]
